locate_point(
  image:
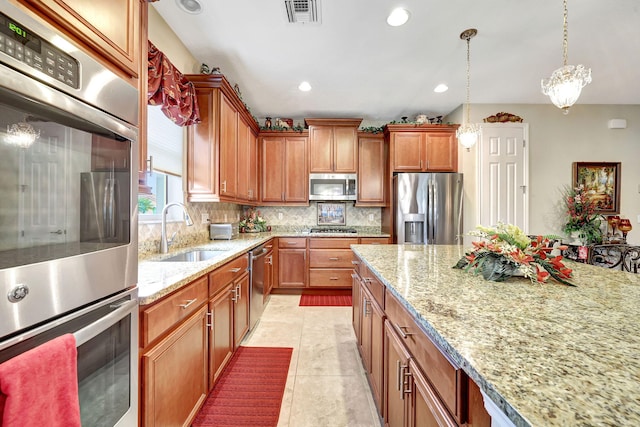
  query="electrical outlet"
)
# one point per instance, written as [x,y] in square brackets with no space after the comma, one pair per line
[370,217]
[280,215]
[225,217]
[638,219]
[205,218]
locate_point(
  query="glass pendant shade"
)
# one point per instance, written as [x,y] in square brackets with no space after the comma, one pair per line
[467,135]
[565,84]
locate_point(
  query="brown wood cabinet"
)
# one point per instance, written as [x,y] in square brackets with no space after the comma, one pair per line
[220,325]
[423,148]
[174,380]
[111,29]
[330,262]
[219,148]
[268,271]
[240,309]
[285,180]
[292,262]
[333,145]
[372,170]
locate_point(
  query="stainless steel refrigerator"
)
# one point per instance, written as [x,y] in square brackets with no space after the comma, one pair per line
[428,208]
[104,207]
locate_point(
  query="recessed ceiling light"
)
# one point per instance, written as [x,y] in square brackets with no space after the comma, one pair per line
[190,6]
[304,86]
[397,17]
[441,88]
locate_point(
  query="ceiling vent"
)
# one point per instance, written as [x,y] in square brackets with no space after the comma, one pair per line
[303,11]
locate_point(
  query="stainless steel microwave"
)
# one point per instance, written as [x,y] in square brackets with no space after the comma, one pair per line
[326,186]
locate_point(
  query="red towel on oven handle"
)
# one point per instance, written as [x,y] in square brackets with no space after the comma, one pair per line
[40,386]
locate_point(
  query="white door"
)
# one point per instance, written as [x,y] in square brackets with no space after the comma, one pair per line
[43,210]
[503,174]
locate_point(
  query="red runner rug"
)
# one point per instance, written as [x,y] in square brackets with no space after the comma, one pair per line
[325,300]
[249,391]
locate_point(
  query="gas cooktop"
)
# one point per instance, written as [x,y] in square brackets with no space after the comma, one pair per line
[332,230]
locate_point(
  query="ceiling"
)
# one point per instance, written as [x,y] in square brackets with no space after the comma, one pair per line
[359,66]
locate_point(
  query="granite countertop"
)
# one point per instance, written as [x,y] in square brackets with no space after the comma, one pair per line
[157,279]
[546,355]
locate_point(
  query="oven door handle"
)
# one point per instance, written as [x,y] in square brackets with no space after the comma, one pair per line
[90,331]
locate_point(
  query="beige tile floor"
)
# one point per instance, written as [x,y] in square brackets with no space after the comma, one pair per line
[326,386]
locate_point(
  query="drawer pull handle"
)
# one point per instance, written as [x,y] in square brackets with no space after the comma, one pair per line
[210,320]
[402,331]
[354,276]
[367,279]
[292,243]
[333,278]
[355,262]
[188,303]
[235,270]
[334,259]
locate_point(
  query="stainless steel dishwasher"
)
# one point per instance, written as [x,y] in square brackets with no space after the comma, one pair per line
[256,302]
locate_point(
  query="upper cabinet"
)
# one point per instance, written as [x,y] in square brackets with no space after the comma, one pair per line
[285,179]
[222,155]
[372,170]
[423,148]
[111,29]
[333,145]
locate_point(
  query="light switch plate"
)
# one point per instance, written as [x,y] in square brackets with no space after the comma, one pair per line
[204,218]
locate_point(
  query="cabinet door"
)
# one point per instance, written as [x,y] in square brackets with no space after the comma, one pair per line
[396,365]
[376,371]
[345,149]
[424,406]
[441,152]
[228,148]
[356,295]
[220,333]
[243,160]
[371,171]
[365,329]
[268,275]
[292,266]
[202,153]
[273,169]
[320,149]
[296,175]
[241,309]
[253,166]
[407,151]
[175,374]
[111,28]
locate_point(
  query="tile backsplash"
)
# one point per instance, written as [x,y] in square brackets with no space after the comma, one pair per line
[280,218]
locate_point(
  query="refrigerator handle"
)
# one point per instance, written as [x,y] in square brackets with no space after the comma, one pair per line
[435,203]
[107,208]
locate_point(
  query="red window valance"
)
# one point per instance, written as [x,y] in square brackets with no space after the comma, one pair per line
[169,88]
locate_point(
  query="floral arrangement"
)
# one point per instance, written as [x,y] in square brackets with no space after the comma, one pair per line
[581,216]
[252,222]
[507,251]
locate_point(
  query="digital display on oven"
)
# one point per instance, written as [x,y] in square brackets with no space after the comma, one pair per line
[19,34]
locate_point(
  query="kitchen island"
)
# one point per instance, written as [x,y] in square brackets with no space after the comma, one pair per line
[545,355]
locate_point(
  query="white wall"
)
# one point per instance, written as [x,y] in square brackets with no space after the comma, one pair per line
[163,37]
[555,142]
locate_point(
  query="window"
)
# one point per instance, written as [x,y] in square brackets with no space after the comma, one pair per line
[164,144]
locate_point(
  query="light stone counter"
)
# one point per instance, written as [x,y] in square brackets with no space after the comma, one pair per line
[157,279]
[547,355]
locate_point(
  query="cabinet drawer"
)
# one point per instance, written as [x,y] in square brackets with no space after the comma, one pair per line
[374,240]
[328,258]
[323,277]
[332,243]
[375,287]
[292,242]
[224,275]
[161,316]
[440,372]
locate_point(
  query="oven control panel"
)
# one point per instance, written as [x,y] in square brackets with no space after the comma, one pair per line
[23,45]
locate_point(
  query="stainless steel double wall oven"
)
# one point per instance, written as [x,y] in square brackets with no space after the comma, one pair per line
[68,221]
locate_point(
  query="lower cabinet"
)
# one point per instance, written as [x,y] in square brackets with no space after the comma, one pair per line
[174,374]
[240,309]
[292,262]
[221,334]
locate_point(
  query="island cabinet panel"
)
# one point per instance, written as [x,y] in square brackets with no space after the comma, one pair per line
[423,148]
[333,145]
[110,28]
[424,406]
[396,365]
[283,166]
[372,171]
[174,375]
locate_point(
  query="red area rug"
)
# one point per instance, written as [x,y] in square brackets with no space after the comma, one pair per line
[249,391]
[325,300]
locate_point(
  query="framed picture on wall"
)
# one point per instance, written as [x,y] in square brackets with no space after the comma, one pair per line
[602,181]
[332,214]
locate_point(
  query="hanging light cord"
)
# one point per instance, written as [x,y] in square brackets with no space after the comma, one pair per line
[469,79]
[565,35]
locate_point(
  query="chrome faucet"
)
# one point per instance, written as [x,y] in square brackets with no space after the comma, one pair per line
[164,242]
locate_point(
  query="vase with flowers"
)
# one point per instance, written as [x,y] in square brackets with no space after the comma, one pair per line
[252,222]
[582,220]
[507,251]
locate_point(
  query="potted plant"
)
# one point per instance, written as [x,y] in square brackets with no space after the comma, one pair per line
[583,224]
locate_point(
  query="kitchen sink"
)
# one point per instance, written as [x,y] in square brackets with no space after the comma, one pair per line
[194,255]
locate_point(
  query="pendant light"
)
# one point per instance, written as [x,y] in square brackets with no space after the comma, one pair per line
[468,132]
[566,83]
